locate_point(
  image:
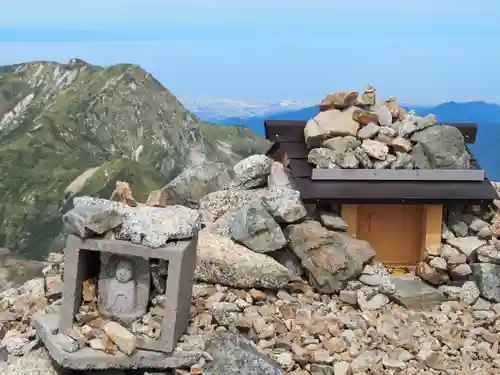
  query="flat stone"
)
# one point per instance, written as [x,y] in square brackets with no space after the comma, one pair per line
[231,352]
[90,359]
[368,131]
[333,221]
[467,245]
[414,294]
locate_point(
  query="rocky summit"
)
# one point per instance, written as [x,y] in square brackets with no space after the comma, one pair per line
[361,131]
[76,128]
[280,286]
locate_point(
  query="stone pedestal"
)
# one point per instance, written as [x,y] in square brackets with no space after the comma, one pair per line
[125,265]
[89,359]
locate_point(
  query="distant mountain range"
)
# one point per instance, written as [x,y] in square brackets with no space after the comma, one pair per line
[486,115]
[221,109]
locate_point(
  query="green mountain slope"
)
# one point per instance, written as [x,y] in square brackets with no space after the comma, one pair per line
[75,128]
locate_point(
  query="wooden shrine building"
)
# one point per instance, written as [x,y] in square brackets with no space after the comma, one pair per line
[399,212]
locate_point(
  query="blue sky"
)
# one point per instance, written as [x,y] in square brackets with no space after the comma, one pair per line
[421,51]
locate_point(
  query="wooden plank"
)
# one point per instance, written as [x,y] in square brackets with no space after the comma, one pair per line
[432,226]
[285,130]
[295,150]
[300,168]
[352,192]
[398,174]
[394,231]
[293,130]
[349,212]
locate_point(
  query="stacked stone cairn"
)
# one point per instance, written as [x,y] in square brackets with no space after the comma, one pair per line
[283,284]
[353,131]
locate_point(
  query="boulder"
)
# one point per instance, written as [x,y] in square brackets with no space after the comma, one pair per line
[487,279]
[329,124]
[383,113]
[339,100]
[285,205]
[85,221]
[368,98]
[255,228]
[368,131]
[251,172]
[219,211]
[156,199]
[414,294]
[440,147]
[233,354]
[326,158]
[393,105]
[333,221]
[330,258]
[323,158]
[375,149]
[278,177]
[153,226]
[222,261]
[364,117]
[467,245]
[194,183]
[341,144]
[287,258]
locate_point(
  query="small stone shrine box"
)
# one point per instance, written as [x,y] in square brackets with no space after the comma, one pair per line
[123,270]
[399,212]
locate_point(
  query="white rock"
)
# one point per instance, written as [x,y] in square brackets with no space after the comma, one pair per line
[438,263]
[469,293]
[66,343]
[375,149]
[341,368]
[122,337]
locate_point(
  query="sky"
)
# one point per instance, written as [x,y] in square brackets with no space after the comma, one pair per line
[423,52]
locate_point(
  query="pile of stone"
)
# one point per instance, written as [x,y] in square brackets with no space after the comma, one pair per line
[470,251]
[354,131]
[257,244]
[255,232]
[121,217]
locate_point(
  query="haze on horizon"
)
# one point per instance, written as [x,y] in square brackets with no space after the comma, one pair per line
[424,52]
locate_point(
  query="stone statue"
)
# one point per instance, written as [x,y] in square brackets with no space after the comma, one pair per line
[124,287]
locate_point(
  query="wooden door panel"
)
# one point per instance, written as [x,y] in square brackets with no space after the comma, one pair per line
[394,232]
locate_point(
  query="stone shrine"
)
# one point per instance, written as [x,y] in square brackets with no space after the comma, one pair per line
[114,282]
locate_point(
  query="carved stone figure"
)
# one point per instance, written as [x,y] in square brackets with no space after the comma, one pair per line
[124,287]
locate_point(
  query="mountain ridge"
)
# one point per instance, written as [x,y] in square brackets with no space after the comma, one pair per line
[58,121]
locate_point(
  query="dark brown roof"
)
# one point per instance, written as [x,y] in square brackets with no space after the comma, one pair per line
[289,138]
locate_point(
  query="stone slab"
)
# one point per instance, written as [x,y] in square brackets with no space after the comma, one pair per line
[399,174]
[90,359]
[414,294]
